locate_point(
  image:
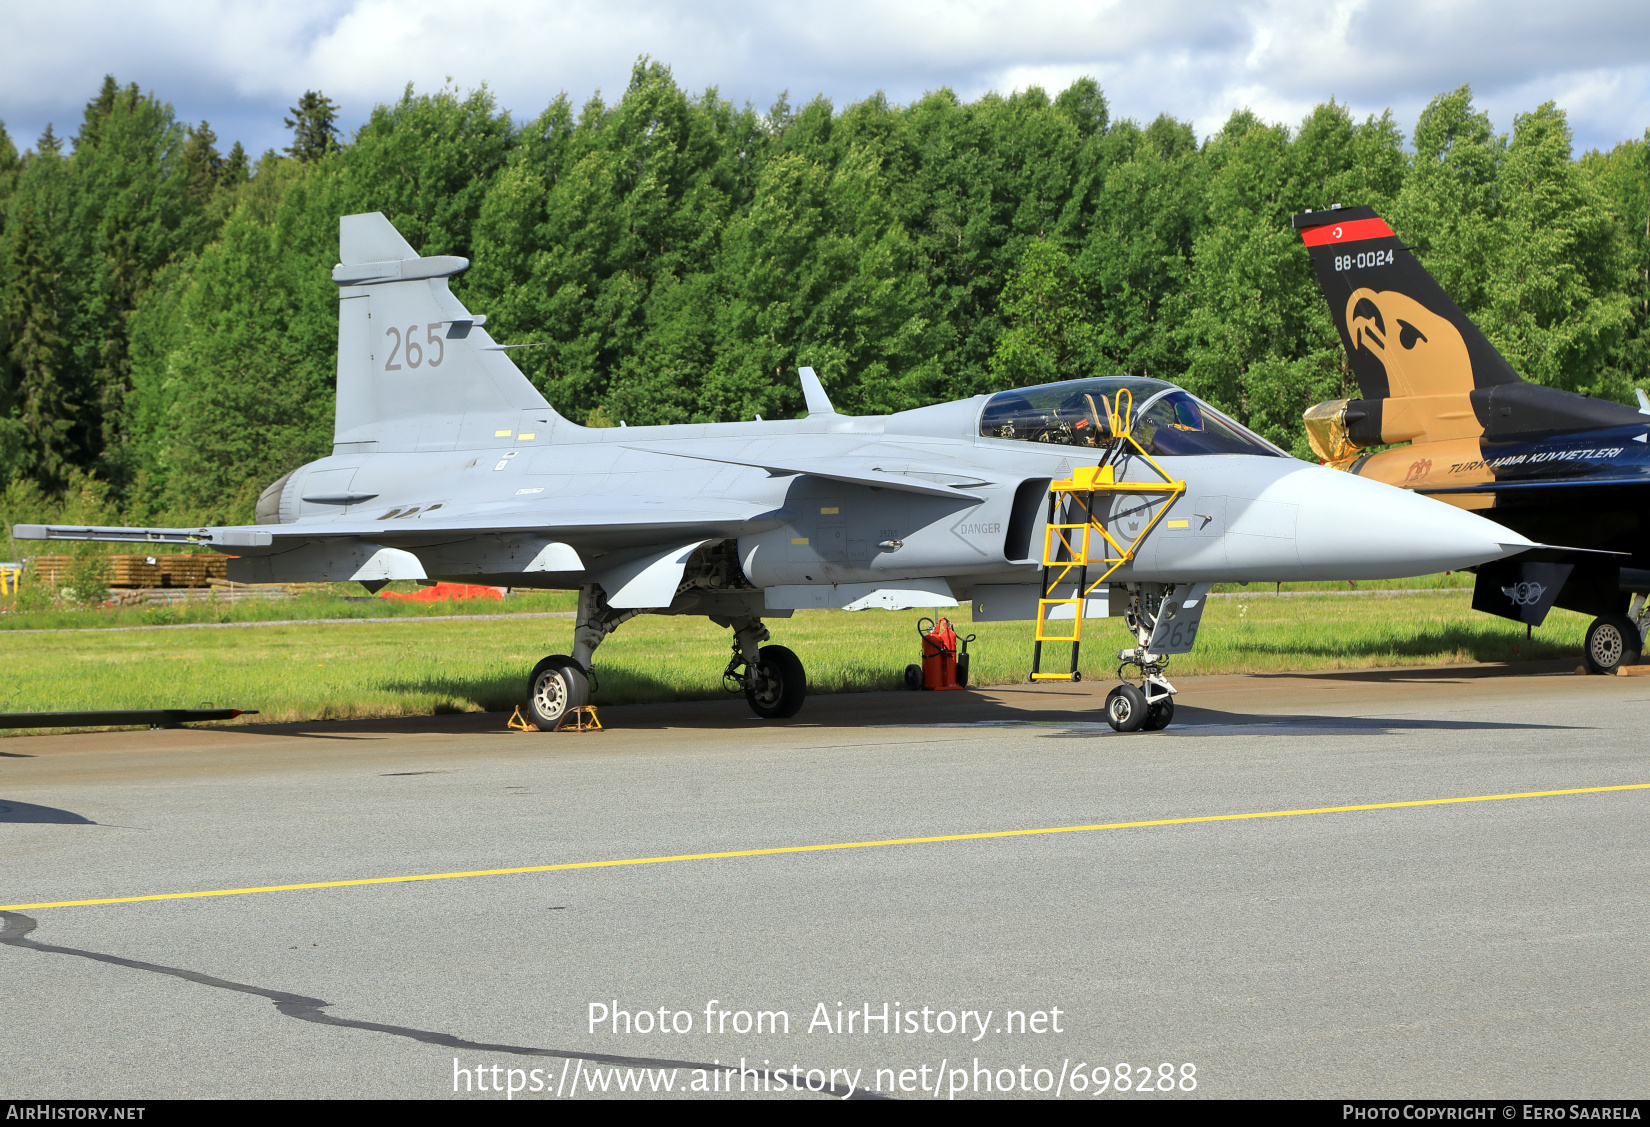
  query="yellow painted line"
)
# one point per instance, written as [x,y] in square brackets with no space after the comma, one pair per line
[823,848]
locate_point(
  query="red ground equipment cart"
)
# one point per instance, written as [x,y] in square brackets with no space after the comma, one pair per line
[944,657]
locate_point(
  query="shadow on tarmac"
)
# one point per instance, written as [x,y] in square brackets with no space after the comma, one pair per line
[1431,675]
[1077,708]
[15,929]
[40,815]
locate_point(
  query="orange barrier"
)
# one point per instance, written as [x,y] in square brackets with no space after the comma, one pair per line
[442,592]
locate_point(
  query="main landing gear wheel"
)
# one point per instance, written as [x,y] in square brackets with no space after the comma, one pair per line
[779,685]
[557,684]
[1158,715]
[1126,708]
[1612,641]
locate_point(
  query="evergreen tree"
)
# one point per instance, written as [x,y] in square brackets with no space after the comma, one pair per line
[314,127]
[43,397]
[202,166]
[97,110]
[234,358]
[101,222]
[11,165]
[130,215]
[236,168]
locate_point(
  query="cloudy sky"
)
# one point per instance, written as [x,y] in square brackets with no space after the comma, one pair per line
[241,64]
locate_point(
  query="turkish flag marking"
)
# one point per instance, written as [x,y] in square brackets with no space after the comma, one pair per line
[1350,232]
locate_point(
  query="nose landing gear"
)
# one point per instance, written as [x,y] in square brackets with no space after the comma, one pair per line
[1164,620]
[1149,708]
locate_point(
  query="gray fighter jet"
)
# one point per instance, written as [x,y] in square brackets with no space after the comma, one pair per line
[447,464]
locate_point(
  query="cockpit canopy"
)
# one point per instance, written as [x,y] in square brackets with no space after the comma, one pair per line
[1168,422]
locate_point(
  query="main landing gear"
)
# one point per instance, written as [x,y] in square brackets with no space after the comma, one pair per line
[1615,640]
[771,677]
[560,683]
[1150,706]
[556,686]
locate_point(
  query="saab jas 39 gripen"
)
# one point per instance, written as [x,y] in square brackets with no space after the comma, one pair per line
[1116,495]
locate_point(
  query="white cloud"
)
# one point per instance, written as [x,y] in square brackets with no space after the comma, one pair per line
[241,64]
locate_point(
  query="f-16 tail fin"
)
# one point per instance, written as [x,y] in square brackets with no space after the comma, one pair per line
[411,358]
[1427,373]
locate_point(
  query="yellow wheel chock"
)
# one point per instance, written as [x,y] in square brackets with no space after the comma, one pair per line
[580,719]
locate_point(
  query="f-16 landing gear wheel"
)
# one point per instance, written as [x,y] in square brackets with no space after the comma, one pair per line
[1158,715]
[557,684]
[1126,708]
[778,685]
[1612,641]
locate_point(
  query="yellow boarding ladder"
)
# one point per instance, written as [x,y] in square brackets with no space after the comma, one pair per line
[1069,538]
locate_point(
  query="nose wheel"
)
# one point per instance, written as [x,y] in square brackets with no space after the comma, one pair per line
[1129,710]
[1147,708]
[1126,708]
[1159,715]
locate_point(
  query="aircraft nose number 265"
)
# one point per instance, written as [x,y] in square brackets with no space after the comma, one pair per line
[415,354]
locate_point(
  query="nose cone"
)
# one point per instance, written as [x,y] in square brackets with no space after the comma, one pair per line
[1354,528]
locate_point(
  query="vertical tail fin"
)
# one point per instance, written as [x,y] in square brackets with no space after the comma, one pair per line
[412,361]
[1416,356]
[1427,373]
[1401,330]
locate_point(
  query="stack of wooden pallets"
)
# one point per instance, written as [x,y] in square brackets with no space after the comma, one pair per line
[196,569]
[221,591]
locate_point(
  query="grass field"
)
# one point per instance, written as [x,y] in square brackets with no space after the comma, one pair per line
[331,600]
[417,664]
